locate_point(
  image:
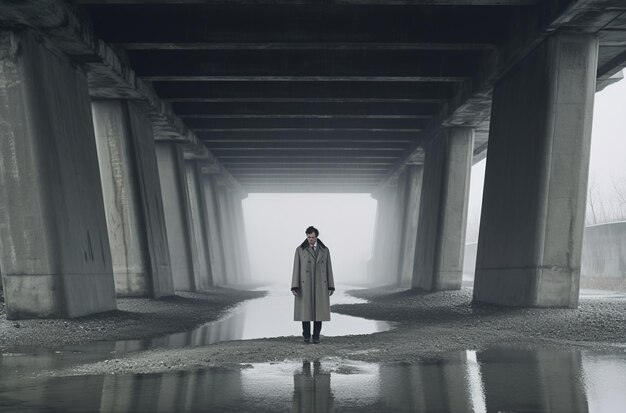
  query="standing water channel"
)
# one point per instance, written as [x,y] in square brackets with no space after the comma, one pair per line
[511,378]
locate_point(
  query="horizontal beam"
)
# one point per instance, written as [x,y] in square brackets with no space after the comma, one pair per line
[305,90]
[303,64]
[257,135]
[315,2]
[311,23]
[304,46]
[310,110]
[294,124]
[300,78]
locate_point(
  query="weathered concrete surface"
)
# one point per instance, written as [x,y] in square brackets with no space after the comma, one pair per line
[202,273]
[215,244]
[443,213]
[54,249]
[603,262]
[176,211]
[413,192]
[536,177]
[133,201]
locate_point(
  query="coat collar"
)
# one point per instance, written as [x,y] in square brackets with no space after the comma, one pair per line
[305,244]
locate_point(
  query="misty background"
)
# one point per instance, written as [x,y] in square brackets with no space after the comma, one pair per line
[275,223]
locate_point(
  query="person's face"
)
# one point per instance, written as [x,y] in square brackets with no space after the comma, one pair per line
[312,238]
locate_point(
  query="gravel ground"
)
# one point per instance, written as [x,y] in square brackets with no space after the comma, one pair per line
[427,325]
[135,318]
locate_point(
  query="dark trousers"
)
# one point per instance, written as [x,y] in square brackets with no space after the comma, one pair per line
[306,329]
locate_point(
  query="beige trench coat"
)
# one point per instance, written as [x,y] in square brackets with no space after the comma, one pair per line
[313,276]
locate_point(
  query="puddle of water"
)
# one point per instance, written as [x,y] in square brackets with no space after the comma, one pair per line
[269,316]
[498,379]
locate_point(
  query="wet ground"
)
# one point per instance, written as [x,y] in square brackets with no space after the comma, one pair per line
[399,351]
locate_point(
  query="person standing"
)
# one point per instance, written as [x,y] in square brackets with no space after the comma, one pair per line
[312,284]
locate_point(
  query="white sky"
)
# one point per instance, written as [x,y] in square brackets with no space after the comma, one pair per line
[275,223]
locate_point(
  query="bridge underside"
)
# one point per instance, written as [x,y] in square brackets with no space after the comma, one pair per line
[177,109]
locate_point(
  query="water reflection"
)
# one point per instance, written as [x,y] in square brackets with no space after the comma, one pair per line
[269,316]
[498,379]
[312,391]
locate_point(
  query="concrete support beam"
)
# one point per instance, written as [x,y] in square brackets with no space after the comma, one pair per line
[133,201]
[533,210]
[198,228]
[443,211]
[385,254]
[54,254]
[176,211]
[240,233]
[412,182]
[227,232]
[214,232]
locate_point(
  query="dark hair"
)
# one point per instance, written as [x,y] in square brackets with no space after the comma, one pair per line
[311,230]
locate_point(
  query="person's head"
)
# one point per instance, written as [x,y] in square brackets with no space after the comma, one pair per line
[311,235]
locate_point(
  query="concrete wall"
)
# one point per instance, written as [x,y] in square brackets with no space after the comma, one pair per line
[604,255]
[133,201]
[176,211]
[54,248]
[202,273]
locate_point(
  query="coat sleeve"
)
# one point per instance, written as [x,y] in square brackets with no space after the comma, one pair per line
[329,273]
[295,277]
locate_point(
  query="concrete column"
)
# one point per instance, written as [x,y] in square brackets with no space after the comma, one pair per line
[412,191]
[203,276]
[214,233]
[54,254]
[240,231]
[133,201]
[226,231]
[176,211]
[443,211]
[386,241]
[533,210]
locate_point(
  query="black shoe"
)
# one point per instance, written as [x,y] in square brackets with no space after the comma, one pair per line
[307,340]
[316,340]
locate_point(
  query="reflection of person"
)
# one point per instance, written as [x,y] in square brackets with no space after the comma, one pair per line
[312,284]
[311,389]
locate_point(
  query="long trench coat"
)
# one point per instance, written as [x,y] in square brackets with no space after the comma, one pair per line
[313,277]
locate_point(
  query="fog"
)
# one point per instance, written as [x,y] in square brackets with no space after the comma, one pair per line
[275,225]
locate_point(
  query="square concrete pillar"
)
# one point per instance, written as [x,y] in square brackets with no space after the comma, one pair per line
[203,277]
[224,211]
[176,211]
[54,254]
[443,211]
[412,194]
[214,236]
[533,211]
[133,201]
[387,235]
[240,231]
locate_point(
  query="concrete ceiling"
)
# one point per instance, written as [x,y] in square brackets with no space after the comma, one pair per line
[336,95]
